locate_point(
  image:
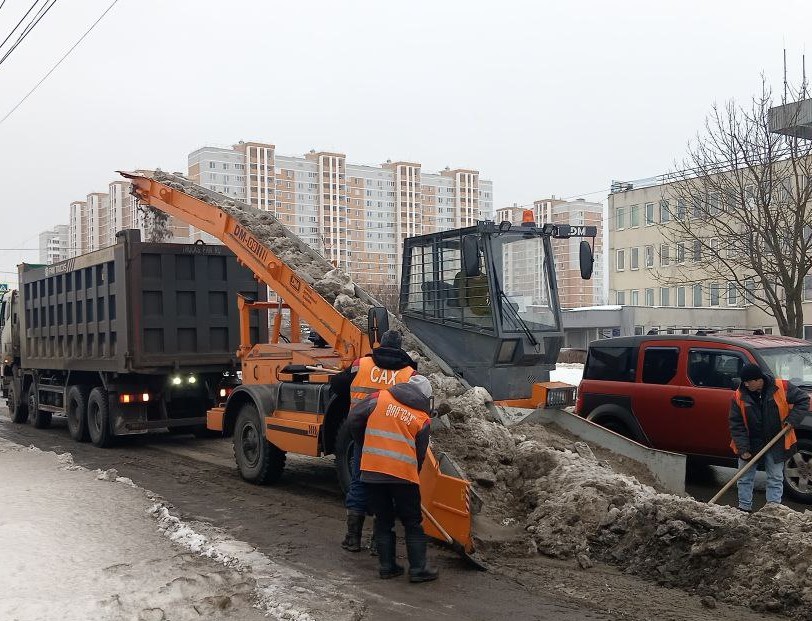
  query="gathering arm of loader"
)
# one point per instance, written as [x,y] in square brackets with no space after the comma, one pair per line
[338,331]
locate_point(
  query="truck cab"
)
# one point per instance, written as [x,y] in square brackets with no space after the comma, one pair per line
[9,345]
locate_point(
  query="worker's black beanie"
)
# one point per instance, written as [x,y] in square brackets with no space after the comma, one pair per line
[751,372]
[391,338]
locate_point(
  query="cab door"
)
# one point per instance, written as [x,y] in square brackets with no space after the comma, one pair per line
[711,370]
[658,385]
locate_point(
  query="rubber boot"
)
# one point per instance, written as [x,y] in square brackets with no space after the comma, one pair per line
[355,527]
[419,570]
[386,545]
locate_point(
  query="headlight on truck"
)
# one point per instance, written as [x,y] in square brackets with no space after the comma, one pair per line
[560,397]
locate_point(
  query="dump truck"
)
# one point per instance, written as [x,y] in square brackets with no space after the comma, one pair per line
[455,294]
[127,339]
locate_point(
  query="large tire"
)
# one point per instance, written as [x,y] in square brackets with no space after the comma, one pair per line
[620,428]
[38,418]
[98,418]
[16,406]
[258,461]
[344,448]
[76,412]
[798,472]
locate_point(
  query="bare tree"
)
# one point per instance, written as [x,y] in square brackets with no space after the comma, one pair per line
[386,294]
[737,214]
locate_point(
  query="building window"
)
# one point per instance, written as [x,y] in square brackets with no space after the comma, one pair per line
[635,299]
[808,333]
[749,291]
[714,208]
[649,256]
[681,252]
[697,253]
[621,298]
[665,212]
[649,214]
[620,214]
[681,297]
[767,330]
[664,258]
[638,330]
[212,165]
[714,294]
[634,216]
[807,288]
[649,297]
[620,260]
[732,294]
[680,215]
[697,290]
[635,259]
[665,296]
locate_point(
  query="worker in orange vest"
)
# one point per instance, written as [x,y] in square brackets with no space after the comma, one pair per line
[392,427]
[386,366]
[759,409]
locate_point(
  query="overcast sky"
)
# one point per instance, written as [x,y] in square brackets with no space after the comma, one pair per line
[542,97]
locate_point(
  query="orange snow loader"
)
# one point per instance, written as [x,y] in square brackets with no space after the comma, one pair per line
[285,404]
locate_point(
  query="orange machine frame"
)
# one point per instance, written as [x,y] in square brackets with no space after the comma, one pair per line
[446,497]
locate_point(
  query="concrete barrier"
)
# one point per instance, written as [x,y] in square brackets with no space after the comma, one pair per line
[667,468]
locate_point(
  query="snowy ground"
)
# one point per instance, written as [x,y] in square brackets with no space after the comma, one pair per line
[80,545]
[570,373]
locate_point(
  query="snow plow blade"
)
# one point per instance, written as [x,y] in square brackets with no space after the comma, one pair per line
[446,504]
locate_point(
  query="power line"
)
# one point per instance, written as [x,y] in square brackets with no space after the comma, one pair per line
[22,19]
[31,25]
[59,62]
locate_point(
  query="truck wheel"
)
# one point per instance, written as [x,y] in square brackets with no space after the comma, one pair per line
[258,461]
[40,420]
[98,418]
[344,448]
[16,407]
[798,472]
[76,411]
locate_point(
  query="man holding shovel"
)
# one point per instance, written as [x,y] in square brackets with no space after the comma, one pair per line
[759,411]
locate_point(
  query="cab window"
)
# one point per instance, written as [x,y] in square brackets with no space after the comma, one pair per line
[711,368]
[660,364]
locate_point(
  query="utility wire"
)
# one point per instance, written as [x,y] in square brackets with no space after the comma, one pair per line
[32,24]
[59,62]
[22,19]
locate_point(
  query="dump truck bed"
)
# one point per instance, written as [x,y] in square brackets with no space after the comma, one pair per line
[136,307]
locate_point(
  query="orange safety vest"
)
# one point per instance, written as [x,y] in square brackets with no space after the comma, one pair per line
[370,378]
[784,408]
[389,440]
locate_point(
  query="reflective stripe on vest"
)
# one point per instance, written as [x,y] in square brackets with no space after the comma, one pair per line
[784,408]
[389,440]
[371,378]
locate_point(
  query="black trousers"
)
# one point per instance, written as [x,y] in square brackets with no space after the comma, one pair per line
[402,500]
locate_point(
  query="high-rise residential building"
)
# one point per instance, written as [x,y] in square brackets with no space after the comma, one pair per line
[95,221]
[54,244]
[573,290]
[355,215]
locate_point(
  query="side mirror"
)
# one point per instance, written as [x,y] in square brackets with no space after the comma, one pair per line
[586,259]
[735,383]
[471,256]
[377,324]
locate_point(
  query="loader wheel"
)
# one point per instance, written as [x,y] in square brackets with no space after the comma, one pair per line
[40,419]
[798,472]
[76,411]
[258,461]
[344,448]
[16,408]
[98,418]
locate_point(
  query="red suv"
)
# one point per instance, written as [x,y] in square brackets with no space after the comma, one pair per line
[673,392]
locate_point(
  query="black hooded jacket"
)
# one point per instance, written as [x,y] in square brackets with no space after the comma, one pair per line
[390,358]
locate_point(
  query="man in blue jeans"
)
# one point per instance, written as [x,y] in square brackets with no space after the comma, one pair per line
[760,408]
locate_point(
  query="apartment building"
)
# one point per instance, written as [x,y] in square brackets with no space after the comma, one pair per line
[355,215]
[54,244]
[642,260]
[573,290]
[95,221]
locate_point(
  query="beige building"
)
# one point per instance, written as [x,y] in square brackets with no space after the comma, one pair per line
[642,260]
[54,244]
[355,215]
[573,290]
[94,222]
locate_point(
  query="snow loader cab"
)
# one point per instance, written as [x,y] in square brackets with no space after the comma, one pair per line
[486,299]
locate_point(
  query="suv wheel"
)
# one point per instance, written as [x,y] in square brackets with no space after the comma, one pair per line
[798,472]
[613,424]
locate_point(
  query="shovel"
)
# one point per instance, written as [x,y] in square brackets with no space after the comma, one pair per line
[753,461]
[455,545]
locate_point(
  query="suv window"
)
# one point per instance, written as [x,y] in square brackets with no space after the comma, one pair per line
[613,364]
[660,364]
[714,368]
